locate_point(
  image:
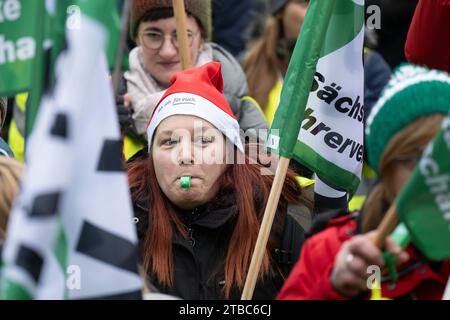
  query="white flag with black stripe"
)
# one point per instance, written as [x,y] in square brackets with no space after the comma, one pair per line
[75,203]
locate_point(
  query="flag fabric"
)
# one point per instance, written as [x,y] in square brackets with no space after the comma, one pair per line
[114,29]
[50,40]
[447,291]
[327,135]
[424,203]
[71,232]
[21,30]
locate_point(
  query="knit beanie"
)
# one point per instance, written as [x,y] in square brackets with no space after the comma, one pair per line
[411,93]
[197,92]
[200,9]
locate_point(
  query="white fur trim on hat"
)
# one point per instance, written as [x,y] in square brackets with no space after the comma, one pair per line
[195,105]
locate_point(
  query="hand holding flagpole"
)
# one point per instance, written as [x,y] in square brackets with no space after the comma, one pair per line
[386,226]
[289,115]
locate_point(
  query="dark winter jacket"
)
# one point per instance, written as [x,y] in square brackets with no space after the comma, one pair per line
[199,260]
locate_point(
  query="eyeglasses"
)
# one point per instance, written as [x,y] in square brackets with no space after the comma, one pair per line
[154,40]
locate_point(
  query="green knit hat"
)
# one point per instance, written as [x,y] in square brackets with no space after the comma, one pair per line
[411,93]
[200,9]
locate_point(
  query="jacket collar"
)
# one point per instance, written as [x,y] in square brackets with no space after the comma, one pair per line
[212,215]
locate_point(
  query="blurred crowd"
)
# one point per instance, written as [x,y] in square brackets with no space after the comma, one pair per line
[196,242]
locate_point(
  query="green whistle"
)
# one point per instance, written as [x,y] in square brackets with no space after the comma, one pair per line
[185,182]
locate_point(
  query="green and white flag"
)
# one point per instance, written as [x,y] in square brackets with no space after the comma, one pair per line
[424,203]
[328,135]
[71,232]
[50,40]
[21,29]
[30,40]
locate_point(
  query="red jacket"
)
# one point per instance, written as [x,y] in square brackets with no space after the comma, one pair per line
[310,278]
[428,41]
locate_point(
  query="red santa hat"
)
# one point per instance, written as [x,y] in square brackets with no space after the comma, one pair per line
[197,92]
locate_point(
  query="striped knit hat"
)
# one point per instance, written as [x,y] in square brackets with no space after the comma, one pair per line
[411,93]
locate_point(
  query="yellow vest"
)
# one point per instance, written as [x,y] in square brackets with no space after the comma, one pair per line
[272,103]
[16,140]
[130,147]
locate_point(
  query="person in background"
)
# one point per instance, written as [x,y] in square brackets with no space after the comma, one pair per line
[376,73]
[10,172]
[156,59]
[334,262]
[198,208]
[395,16]
[5,150]
[265,63]
[231,23]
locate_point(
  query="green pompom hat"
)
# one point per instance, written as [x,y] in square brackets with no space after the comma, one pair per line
[412,92]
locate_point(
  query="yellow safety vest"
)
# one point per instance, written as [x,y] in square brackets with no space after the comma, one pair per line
[272,103]
[131,147]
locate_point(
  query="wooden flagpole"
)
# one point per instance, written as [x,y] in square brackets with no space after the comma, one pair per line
[266,226]
[386,226]
[183,46]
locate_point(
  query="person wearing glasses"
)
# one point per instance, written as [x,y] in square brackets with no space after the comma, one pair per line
[156,59]
[334,263]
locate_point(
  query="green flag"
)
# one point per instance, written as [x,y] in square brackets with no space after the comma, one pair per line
[41,66]
[51,34]
[424,203]
[325,75]
[64,231]
[20,25]
[114,27]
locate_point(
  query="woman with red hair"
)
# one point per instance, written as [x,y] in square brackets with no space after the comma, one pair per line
[198,211]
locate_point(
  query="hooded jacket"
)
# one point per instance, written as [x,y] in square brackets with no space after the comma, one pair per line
[199,260]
